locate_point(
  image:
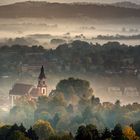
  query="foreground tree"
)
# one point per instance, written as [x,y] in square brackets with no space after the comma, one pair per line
[4,130]
[31,134]
[17,135]
[117,133]
[82,133]
[136,127]
[106,134]
[88,132]
[43,129]
[15,128]
[129,133]
[65,136]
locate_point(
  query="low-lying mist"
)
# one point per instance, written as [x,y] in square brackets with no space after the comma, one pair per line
[67,29]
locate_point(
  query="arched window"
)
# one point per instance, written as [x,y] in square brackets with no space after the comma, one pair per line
[44,91]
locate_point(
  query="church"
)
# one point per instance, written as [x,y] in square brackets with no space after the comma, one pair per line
[30,91]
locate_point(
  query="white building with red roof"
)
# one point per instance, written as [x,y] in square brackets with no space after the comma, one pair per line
[30,91]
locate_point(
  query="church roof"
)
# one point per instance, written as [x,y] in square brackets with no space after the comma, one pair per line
[42,74]
[21,89]
[34,92]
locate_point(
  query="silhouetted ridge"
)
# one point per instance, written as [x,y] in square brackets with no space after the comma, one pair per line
[63,10]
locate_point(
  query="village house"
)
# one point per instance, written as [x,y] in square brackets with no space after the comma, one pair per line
[115,91]
[131,92]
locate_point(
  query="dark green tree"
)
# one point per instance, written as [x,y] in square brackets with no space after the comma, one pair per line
[31,134]
[92,132]
[4,130]
[82,134]
[88,132]
[136,127]
[22,128]
[117,133]
[106,134]
[17,135]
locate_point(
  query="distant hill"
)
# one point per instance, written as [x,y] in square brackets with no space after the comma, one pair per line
[63,10]
[127,4]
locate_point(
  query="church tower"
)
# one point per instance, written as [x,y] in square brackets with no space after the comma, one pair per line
[42,85]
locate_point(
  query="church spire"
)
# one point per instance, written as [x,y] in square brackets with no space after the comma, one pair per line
[42,85]
[42,74]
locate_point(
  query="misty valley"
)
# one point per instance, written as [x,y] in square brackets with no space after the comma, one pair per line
[69,71]
[52,32]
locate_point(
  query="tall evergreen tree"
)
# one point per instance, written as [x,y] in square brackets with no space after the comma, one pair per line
[106,134]
[117,133]
[22,128]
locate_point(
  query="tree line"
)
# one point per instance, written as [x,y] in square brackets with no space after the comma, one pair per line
[42,130]
[92,58]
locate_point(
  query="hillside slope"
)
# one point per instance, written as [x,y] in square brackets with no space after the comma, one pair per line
[63,10]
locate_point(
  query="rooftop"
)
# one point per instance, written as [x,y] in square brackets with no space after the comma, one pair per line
[21,89]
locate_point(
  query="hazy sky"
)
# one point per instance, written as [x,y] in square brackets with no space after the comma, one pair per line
[100,1]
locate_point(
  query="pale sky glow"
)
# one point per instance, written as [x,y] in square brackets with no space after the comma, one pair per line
[68,1]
